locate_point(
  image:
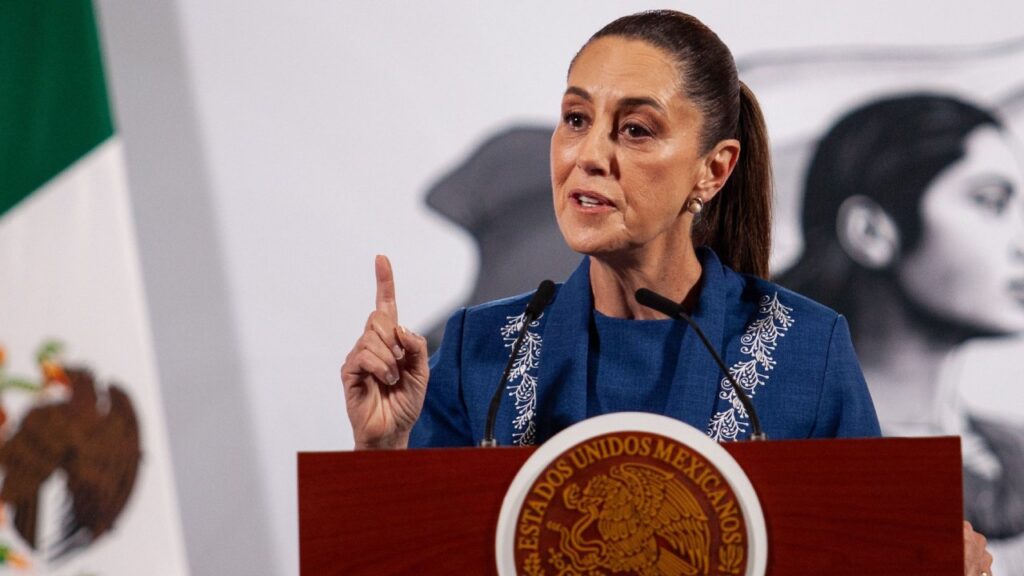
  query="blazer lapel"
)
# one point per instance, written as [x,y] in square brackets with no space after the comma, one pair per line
[562,374]
[696,383]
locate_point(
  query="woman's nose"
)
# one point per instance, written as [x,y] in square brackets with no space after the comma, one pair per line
[596,151]
[1017,246]
[1017,250]
[1017,236]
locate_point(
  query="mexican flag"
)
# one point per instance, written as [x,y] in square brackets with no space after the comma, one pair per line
[85,476]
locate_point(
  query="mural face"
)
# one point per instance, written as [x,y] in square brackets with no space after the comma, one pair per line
[969,265]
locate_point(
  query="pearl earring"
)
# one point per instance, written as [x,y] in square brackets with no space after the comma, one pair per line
[695,205]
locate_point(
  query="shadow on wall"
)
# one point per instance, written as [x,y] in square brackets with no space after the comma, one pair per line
[501,195]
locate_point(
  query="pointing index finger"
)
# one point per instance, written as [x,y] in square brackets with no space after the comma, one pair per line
[385,287]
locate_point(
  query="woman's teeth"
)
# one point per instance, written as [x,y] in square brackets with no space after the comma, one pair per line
[588,201]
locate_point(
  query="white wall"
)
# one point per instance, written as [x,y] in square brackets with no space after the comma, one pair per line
[274,147]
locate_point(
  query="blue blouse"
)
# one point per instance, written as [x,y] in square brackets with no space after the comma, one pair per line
[628,369]
[793,356]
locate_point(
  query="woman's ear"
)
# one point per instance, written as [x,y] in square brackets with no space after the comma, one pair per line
[718,165]
[867,233]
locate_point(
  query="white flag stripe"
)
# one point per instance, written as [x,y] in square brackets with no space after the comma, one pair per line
[70,272]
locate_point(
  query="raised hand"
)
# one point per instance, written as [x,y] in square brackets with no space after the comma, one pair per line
[385,375]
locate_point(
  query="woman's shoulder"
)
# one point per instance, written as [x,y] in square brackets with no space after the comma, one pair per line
[790,298]
[502,306]
[495,313]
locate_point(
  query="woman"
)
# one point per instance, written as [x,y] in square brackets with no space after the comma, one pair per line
[646,167]
[914,228]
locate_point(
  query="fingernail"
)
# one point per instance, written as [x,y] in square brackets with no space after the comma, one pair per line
[398,352]
[392,379]
[402,328]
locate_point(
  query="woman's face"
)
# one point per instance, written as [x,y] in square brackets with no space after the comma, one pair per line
[969,265]
[625,157]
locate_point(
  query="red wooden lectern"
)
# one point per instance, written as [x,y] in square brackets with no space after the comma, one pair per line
[832,507]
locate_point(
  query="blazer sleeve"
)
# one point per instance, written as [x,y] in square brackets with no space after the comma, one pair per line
[443,422]
[845,409]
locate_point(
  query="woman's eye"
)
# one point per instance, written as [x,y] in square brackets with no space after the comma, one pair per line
[636,131]
[993,198]
[574,120]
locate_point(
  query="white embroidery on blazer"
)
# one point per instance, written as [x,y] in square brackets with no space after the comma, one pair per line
[522,380]
[757,344]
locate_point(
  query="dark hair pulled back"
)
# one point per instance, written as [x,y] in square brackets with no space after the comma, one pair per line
[737,223]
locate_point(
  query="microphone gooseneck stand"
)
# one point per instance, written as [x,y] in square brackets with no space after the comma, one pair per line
[541,298]
[656,301]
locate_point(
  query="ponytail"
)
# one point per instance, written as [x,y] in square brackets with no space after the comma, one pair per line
[737,223]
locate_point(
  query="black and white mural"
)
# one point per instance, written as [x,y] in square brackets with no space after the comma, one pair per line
[900,179]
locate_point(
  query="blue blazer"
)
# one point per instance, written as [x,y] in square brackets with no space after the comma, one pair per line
[791,354]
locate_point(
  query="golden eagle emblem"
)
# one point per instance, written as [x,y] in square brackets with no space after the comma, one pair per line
[648,523]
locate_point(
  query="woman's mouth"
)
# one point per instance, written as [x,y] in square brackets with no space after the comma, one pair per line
[591,200]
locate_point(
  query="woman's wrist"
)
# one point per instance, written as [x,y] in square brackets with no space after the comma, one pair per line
[394,442]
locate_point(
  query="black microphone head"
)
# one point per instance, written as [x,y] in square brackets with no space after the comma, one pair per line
[656,301]
[541,298]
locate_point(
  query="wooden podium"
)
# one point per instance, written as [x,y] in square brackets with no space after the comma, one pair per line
[832,507]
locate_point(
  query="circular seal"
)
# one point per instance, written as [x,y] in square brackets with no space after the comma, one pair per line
[631,493]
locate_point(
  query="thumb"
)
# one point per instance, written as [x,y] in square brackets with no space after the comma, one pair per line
[385,287]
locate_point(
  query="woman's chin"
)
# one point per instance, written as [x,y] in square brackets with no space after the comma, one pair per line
[593,246]
[993,322]
[580,239]
[1000,325]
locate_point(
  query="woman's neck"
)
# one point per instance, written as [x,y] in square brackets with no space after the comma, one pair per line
[903,377]
[614,281]
[902,356]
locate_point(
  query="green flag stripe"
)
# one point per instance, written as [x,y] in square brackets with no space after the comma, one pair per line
[53,97]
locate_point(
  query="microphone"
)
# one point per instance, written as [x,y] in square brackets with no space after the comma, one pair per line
[672,309]
[540,300]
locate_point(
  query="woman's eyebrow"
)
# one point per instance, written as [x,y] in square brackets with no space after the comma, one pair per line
[575,90]
[638,101]
[993,180]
